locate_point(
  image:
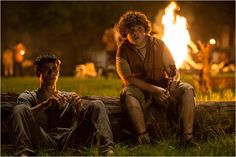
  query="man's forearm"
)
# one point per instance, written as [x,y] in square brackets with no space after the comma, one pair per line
[38,108]
[142,84]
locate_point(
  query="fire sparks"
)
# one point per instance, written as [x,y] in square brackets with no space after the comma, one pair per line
[176,35]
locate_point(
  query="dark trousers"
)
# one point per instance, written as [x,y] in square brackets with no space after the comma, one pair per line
[92,125]
[18,70]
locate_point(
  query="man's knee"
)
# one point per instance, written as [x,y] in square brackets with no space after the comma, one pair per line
[97,105]
[184,89]
[131,102]
[189,92]
[21,109]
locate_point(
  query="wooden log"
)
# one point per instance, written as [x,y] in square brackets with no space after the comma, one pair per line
[211,118]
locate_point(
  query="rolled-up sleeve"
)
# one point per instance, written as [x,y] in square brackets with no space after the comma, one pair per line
[123,69]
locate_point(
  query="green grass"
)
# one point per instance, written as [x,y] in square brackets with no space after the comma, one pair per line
[103,87]
[220,145]
[218,95]
[169,147]
[90,86]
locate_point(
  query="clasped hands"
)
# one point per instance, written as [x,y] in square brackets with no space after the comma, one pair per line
[61,100]
[164,95]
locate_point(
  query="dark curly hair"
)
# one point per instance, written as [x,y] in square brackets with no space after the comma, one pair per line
[130,19]
[46,58]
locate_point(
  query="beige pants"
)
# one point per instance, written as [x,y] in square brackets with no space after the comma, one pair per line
[151,107]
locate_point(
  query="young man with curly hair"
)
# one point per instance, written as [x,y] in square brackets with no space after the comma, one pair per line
[49,118]
[145,66]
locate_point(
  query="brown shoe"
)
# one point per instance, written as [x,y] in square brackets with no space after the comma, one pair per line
[189,141]
[109,153]
[143,138]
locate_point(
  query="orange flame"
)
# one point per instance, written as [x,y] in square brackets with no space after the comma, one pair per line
[176,35]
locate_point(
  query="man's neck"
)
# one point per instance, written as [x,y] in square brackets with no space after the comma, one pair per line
[142,44]
[48,91]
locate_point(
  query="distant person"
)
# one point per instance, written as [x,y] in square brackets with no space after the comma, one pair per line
[150,78]
[19,52]
[8,63]
[50,118]
[205,83]
[110,39]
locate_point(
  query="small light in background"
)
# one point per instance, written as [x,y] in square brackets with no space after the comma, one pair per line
[212,41]
[22,52]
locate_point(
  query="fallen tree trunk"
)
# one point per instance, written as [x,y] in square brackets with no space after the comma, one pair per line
[211,118]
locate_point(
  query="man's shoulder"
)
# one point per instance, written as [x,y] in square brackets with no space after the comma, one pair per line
[157,43]
[156,40]
[27,97]
[124,48]
[28,93]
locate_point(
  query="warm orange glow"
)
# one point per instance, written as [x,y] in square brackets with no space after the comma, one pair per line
[176,35]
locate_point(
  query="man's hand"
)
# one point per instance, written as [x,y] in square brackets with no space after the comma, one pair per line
[173,85]
[75,100]
[162,95]
[55,99]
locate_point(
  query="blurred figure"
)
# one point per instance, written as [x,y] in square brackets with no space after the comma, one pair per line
[19,52]
[8,64]
[110,39]
[204,82]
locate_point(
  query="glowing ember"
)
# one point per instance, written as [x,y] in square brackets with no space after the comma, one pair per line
[176,35]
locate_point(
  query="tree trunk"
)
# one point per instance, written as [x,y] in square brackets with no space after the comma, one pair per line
[211,118]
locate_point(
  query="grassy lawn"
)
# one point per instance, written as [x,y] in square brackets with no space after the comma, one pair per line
[103,87]
[90,86]
[223,145]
